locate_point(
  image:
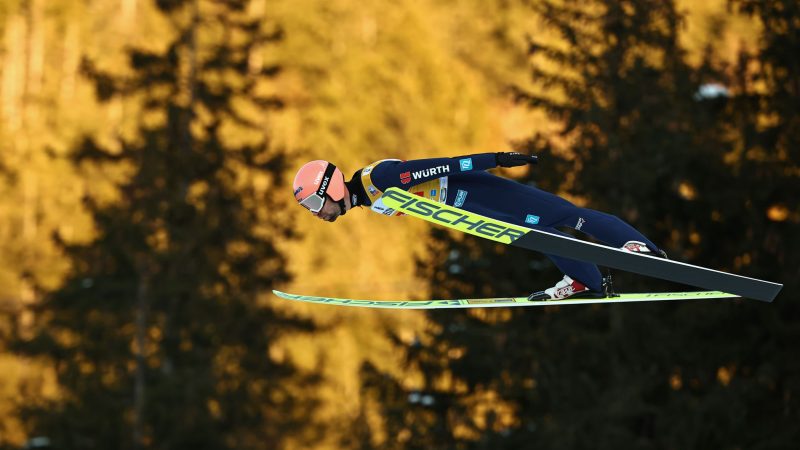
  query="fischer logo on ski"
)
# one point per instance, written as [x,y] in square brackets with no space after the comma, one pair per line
[435,211]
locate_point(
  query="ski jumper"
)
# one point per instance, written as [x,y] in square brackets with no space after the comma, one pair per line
[463,182]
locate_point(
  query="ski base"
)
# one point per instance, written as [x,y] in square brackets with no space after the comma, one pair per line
[506,301]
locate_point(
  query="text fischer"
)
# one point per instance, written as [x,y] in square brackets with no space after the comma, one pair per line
[435,211]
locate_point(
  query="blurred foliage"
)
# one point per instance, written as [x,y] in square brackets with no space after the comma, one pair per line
[148,147]
[706,177]
[160,335]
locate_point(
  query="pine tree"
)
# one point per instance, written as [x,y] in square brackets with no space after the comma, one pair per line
[159,336]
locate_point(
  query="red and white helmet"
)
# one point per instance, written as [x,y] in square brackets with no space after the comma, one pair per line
[315,182]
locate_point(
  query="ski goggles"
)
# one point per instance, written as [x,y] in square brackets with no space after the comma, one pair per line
[316,201]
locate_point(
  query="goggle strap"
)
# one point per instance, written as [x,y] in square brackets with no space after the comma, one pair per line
[329,175]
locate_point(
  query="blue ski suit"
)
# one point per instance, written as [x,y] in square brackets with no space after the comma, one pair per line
[464,183]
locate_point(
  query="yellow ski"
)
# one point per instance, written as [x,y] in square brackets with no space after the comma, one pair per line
[504,301]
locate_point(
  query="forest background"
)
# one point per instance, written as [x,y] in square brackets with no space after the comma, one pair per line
[148,148]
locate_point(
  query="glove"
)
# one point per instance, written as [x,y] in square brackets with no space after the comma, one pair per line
[514,159]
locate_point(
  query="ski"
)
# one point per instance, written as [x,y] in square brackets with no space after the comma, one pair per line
[501,302]
[568,247]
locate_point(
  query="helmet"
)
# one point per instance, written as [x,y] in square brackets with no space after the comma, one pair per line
[316,180]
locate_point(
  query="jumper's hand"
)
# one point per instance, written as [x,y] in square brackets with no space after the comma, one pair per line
[514,159]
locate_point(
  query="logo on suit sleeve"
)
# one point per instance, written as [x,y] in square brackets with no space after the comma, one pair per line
[466,164]
[405,177]
[531,219]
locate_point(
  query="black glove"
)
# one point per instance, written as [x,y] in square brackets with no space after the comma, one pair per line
[514,159]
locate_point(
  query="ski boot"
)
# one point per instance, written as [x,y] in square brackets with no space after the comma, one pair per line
[566,288]
[642,249]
